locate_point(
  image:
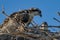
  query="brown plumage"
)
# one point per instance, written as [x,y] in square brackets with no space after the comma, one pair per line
[12,22]
[18,19]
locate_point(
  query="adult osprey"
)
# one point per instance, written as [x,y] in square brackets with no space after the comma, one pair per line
[33,12]
[26,16]
[20,18]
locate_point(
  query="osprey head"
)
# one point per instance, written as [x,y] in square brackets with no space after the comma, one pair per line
[35,11]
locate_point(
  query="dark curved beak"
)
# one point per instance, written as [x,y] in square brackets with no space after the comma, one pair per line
[40,13]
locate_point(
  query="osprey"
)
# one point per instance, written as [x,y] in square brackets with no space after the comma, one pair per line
[26,16]
[31,13]
[21,18]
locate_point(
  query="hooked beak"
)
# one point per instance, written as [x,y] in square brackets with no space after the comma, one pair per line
[40,13]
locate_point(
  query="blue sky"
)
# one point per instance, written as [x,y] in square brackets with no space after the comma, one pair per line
[49,9]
